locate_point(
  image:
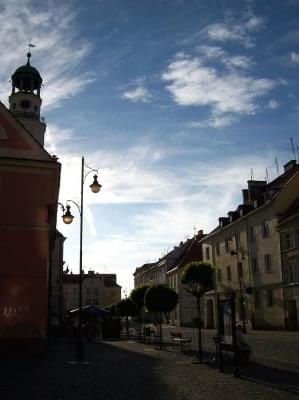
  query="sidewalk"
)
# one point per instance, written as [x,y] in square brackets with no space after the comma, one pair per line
[126,370]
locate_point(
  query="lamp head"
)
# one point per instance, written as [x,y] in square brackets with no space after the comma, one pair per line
[95,186]
[67,216]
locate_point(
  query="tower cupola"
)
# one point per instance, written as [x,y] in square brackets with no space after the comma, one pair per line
[25,101]
[26,78]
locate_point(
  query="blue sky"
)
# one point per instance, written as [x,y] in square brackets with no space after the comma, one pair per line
[174,101]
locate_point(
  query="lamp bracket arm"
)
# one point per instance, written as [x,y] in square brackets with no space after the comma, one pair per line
[89,172]
[61,206]
[76,204]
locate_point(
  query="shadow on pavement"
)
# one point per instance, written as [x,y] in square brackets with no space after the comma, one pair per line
[278,378]
[111,373]
[258,373]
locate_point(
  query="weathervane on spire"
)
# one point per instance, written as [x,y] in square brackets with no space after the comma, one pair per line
[30,45]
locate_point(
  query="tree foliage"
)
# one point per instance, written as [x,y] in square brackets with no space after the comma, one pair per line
[126,308]
[198,277]
[137,296]
[160,298]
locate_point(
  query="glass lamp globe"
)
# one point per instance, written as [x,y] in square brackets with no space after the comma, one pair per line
[67,216]
[95,186]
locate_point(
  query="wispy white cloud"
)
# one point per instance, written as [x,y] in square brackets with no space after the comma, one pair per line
[139,93]
[216,52]
[273,104]
[236,31]
[215,121]
[294,57]
[193,83]
[59,51]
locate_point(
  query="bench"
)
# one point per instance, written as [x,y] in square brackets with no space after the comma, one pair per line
[243,352]
[178,340]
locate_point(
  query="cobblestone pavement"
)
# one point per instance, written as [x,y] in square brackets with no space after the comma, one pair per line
[274,348]
[125,370]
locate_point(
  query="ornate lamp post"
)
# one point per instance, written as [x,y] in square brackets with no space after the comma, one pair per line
[240,275]
[68,219]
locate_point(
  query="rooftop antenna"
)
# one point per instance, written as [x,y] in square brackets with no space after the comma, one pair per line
[293,148]
[251,174]
[277,165]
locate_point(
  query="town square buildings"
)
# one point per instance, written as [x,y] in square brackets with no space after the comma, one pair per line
[254,250]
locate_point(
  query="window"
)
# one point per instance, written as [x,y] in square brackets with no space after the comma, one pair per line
[270,298]
[226,245]
[219,277]
[88,301]
[228,273]
[252,233]
[268,262]
[240,269]
[288,241]
[88,290]
[254,266]
[290,274]
[265,229]
[95,291]
[257,300]
[238,240]
[207,253]
[217,249]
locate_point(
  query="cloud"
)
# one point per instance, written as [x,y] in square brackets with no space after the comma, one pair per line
[234,31]
[215,121]
[194,84]
[295,57]
[216,52]
[137,94]
[59,53]
[273,104]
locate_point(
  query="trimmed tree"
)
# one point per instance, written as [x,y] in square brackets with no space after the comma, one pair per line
[137,296]
[198,278]
[160,299]
[126,308]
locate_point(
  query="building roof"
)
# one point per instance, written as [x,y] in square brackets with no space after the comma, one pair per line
[268,193]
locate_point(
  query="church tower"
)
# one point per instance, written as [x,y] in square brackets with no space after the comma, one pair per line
[25,101]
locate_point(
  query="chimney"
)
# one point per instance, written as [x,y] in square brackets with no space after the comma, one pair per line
[232,216]
[256,189]
[289,165]
[223,221]
[245,195]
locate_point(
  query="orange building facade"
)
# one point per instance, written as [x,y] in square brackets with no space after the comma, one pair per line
[29,187]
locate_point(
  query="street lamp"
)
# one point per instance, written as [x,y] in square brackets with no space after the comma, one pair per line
[68,219]
[240,274]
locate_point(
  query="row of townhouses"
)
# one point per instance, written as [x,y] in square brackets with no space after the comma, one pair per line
[255,253]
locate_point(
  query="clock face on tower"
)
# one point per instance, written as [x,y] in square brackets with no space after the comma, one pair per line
[25,104]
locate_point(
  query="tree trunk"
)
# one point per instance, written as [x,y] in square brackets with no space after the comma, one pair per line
[199,330]
[140,325]
[160,326]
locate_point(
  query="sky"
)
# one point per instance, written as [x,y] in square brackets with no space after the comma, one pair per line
[177,103]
